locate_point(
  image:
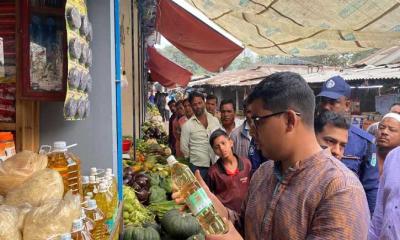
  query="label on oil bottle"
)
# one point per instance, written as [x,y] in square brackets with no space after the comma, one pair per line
[71,162]
[198,201]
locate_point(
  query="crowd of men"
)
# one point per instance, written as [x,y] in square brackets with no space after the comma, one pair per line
[295,168]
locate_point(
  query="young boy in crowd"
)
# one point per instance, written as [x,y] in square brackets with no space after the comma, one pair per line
[229,177]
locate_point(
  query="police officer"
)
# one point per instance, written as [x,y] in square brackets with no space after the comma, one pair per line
[360,151]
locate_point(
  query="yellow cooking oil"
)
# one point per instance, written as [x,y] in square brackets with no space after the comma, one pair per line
[196,198]
[99,231]
[78,231]
[74,173]
[91,187]
[103,200]
[113,188]
[85,184]
[68,165]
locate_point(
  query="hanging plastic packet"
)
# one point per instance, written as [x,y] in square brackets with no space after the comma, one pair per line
[79,36]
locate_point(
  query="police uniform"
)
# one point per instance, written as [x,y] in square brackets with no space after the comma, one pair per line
[255,156]
[360,157]
[360,150]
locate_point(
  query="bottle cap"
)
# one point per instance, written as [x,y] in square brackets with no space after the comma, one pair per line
[92,179]
[60,146]
[171,160]
[77,225]
[92,204]
[93,171]
[85,179]
[66,236]
[103,187]
[109,179]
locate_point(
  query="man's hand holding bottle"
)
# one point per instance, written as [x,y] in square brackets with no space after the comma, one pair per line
[232,233]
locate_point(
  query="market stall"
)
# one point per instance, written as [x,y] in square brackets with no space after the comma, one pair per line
[62,56]
[149,212]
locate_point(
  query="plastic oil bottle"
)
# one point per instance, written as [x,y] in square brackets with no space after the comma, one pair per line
[78,231]
[58,162]
[113,188]
[66,236]
[99,231]
[92,186]
[103,200]
[74,172]
[196,198]
[68,165]
[88,224]
[85,184]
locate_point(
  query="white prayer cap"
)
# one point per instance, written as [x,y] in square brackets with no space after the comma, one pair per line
[392,115]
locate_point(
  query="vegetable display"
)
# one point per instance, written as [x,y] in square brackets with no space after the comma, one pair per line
[161,208]
[135,214]
[157,194]
[141,233]
[180,225]
[139,182]
[154,129]
[149,211]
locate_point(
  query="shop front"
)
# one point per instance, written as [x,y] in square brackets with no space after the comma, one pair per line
[60,86]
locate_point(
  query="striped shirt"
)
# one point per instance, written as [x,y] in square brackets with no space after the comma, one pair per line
[319,198]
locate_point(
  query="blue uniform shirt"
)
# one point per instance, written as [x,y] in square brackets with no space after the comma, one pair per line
[255,156]
[360,157]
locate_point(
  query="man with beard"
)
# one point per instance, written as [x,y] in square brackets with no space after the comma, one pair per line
[373,128]
[196,133]
[228,115]
[388,137]
[360,152]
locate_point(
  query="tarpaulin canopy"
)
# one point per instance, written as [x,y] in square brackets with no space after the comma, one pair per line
[201,43]
[304,28]
[166,72]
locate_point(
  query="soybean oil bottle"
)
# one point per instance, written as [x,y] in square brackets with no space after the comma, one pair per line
[78,231]
[66,236]
[58,162]
[91,187]
[68,165]
[99,231]
[113,188]
[85,185]
[103,200]
[88,224]
[196,198]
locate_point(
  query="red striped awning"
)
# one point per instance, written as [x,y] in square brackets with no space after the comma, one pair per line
[201,43]
[166,72]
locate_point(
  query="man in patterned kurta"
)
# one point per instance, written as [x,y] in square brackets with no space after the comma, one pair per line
[304,192]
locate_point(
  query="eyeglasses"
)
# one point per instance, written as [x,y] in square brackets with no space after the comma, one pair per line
[257,119]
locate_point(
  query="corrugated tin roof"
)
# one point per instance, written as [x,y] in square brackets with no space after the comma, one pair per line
[382,57]
[352,74]
[254,75]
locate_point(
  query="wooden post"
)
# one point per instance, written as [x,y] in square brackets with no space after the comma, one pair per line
[27,125]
